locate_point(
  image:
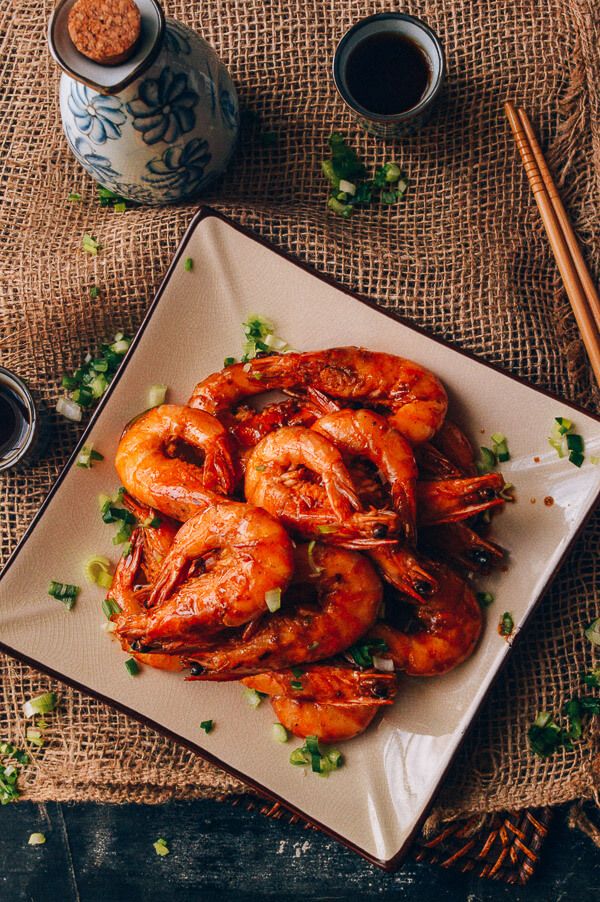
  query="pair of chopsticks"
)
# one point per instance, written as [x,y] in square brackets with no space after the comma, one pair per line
[576,277]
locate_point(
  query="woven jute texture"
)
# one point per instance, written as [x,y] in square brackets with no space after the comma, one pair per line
[464,256]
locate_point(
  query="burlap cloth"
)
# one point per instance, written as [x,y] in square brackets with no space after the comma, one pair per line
[464,255]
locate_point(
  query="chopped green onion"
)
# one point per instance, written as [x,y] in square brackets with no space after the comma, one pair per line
[121,346]
[87,455]
[42,704]
[279,732]
[120,207]
[132,667]
[110,608]
[157,394]
[96,571]
[595,461]
[574,442]
[64,592]
[341,209]
[362,653]
[207,726]
[229,361]
[593,632]
[592,679]
[487,461]
[34,737]
[326,530]
[90,245]
[506,625]
[253,698]
[273,600]
[384,664]
[577,458]
[151,523]
[501,451]
[36,839]
[497,438]
[311,753]
[296,684]
[392,172]
[544,735]
[74,196]
[188,264]
[347,187]
[564,425]
[485,599]
[299,757]
[69,409]
[160,847]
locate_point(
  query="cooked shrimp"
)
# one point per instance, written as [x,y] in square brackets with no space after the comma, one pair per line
[248,426]
[404,570]
[365,434]
[329,723]
[415,397]
[131,597]
[451,441]
[217,574]
[449,500]
[330,507]
[173,485]
[157,540]
[348,595]
[335,684]
[447,628]
[462,546]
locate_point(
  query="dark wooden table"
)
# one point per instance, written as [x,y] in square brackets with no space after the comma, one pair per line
[104,853]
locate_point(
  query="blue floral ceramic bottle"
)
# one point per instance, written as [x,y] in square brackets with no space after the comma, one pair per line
[167,129]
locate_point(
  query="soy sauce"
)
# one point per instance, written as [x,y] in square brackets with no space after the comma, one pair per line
[14,421]
[387,73]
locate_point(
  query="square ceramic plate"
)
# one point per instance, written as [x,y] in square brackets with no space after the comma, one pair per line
[377,800]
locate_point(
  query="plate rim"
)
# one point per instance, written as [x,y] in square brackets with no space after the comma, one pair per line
[206,212]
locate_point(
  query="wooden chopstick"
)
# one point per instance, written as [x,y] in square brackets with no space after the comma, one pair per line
[589,330]
[587,283]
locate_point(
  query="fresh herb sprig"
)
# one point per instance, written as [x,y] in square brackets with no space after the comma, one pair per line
[350,186]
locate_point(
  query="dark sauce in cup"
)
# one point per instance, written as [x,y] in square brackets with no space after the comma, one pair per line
[14,421]
[387,73]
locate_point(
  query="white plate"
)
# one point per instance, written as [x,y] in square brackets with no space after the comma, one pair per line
[377,800]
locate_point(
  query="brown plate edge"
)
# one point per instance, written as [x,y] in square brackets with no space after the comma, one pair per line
[396,860]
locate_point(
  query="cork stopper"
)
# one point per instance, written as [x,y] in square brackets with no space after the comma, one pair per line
[106,31]
[106,44]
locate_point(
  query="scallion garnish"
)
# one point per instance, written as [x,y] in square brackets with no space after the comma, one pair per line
[110,608]
[41,704]
[87,384]
[160,847]
[279,732]
[87,455]
[506,625]
[349,185]
[592,679]
[229,361]
[36,839]
[296,684]
[132,667]
[253,698]
[565,441]
[97,571]
[108,198]
[94,292]
[64,592]
[273,600]
[485,599]
[545,736]
[593,632]
[188,264]
[34,736]
[320,761]
[260,339]
[91,245]
[362,652]
[207,726]
[157,394]
[74,197]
